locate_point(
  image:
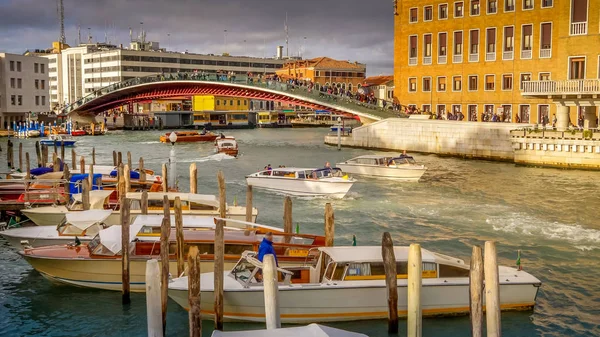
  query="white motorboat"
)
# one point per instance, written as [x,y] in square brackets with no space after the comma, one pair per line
[84,225]
[351,286]
[330,182]
[402,167]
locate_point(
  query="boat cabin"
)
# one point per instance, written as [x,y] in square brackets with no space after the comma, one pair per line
[303,173]
[189,201]
[373,160]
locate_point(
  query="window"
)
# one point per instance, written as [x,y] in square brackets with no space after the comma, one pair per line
[527,41]
[490,82]
[427,49]
[525,78]
[428,13]
[426,108]
[547,3]
[19,67]
[544,76]
[509,39]
[458,9]
[441,110]
[507,82]
[443,11]
[543,114]
[20,100]
[12,66]
[13,99]
[527,4]
[443,37]
[474,7]
[473,83]
[441,85]
[472,116]
[43,84]
[19,83]
[42,68]
[426,84]
[577,68]
[546,40]
[12,83]
[43,100]
[509,5]
[36,68]
[414,15]
[579,11]
[412,50]
[412,84]
[474,42]
[37,100]
[492,6]
[490,48]
[456,83]
[37,84]
[458,47]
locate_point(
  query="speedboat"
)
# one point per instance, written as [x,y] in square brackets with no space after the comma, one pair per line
[98,263]
[189,136]
[55,214]
[401,167]
[58,140]
[329,182]
[227,145]
[348,283]
[82,225]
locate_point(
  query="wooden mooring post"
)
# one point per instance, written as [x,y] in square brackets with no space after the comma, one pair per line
[179,236]
[44,155]
[144,203]
[38,153]
[153,299]
[82,165]
[415,270]
[55,163]
[9,154]
[85,194]
[142,171]
[391,282]
[219,263]
[73,159]
[115,163]
[62,150]
[126,179]
[195,317]
[165,230]
[27,167]
[476,292]
[119,158]
[271,292]
[93,155]
[249,215]
[193,178]
[165,183]
[125,239]
[288,226]
[120,182]
[329,225]
[20,156]
[67,179]
[492,291]
[129,162]
[91,177]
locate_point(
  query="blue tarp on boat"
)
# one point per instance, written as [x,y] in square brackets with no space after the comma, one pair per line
[75,182]
[132,174]
[38,171]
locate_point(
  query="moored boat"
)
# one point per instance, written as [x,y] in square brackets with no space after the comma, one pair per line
[348,283]
[402,167]
[189,136]
[55,214]
[330,182]
[58,140]
[78,133]
[227,145]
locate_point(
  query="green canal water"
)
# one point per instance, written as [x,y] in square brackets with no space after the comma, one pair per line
[551,215]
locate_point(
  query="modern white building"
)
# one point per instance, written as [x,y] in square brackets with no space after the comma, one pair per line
[24,87]
[78,71]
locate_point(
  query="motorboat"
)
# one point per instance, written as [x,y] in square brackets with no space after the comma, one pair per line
[227,145]
[98,263]
[58,140]
[402,167]
[348,283]
[189,136]
[82,226]
[78,133]
[329,182]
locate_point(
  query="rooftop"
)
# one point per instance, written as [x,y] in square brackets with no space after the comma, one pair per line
[377,80]
[324,62]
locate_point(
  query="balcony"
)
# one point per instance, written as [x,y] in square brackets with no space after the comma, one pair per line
[560,88]
[546,53]
[442,59]
[490,56]
[508,55]
[457,59]
[412,61]
[526,54]
[579,28]
[473,57]
[427,60]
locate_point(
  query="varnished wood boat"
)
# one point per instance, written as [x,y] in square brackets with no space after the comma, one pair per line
[189,136]
[227,145]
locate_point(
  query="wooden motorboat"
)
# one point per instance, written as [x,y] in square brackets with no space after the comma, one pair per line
[330,182]
[58,140]
[77,133]
[402,167]
[189,136]
[98,264]
[227,145]
[348,283]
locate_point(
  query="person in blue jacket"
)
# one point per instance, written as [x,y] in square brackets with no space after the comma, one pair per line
[266,247]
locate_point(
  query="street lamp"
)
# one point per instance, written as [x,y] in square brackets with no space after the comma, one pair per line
[225,40]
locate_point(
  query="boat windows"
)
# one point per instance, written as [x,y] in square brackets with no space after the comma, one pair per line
[301,175]
[452,271]
[265,173]
[329,271]
[376,270]
[242,271]
[237,249]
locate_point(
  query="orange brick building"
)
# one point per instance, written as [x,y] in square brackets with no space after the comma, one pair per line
[325,71]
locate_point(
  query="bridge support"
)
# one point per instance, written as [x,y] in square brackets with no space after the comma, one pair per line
[562,117]
[590,117]
[83,118]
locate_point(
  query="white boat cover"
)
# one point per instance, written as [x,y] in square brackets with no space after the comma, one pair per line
[311,330]
[189,221]
[85,219]
[203,199]
[97,198]
[111,237]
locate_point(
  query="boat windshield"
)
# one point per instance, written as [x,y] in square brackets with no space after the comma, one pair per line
[403,160]
[327,172]
[243,271]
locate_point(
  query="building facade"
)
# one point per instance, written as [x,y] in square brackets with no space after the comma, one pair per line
[24,87]
[381,87]
[324,71]
[474,57]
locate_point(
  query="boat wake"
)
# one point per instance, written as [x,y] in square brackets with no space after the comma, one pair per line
[214,157]
[150,142]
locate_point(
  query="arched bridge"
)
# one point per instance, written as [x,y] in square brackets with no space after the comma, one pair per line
[188,84]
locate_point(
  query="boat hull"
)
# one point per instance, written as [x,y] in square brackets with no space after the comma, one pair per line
[329,303]
[68,143]
[408,174]
[39,236]
[46,216]
[302,187]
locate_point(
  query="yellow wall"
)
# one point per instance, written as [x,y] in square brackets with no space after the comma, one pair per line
[563,46]
[220,103]
[203,103]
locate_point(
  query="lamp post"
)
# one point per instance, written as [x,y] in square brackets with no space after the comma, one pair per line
[339,133]
[225,40]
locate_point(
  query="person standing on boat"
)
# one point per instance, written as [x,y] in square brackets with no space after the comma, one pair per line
[327,165]
[266,247]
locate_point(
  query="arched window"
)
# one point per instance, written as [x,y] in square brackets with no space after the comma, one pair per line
[358,86]
[344,86]
[339,85]
[317,86]
[326,84]
[350,86]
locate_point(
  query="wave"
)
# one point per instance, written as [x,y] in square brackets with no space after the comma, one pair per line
[214,157]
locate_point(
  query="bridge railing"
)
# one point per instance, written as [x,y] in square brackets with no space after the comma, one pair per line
[342,101]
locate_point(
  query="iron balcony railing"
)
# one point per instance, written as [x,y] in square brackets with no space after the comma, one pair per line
[576,87]
[341,102]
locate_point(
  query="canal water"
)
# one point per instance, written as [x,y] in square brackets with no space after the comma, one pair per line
[551,215]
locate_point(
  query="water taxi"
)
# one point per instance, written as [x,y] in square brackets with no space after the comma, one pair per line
[401,167]
[98,263]
[189,136]
[58,140]
[348,283]
[227,145]
[329,182]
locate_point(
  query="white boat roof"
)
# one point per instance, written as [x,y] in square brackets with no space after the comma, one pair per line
[85,219]
[373,156]
[189,221]
[311,330]
[371,254]
[97,198]
[205,199]
[111,236]
[291,169]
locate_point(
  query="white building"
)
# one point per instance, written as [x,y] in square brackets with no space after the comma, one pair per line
[78,71]
[23,87]
[382,88]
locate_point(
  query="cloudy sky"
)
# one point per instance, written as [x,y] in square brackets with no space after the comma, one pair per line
[343,29]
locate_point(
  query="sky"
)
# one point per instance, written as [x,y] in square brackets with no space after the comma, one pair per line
[342,29]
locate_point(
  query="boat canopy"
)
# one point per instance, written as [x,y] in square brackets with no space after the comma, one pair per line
[132,174]
[85,219]
[110,237]
[313,330]
[97,198]
[75,186]
[189,221]
[204,199]
[361,254]
[40,170]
